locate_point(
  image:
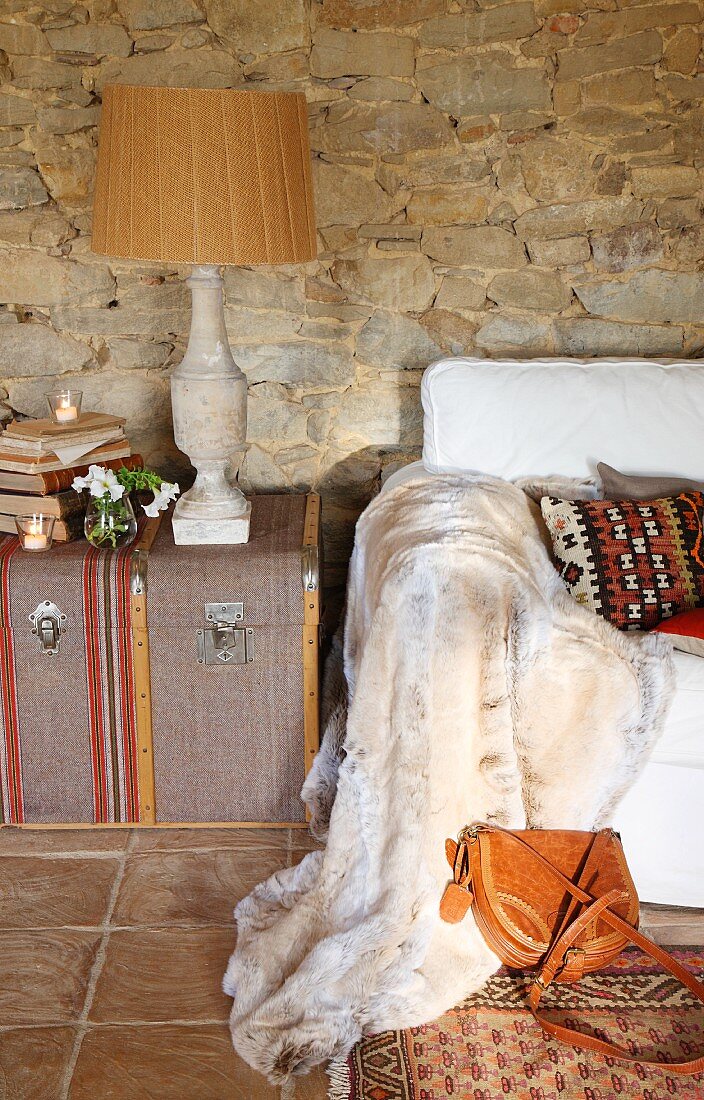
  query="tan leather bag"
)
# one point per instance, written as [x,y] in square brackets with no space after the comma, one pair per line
[556,901]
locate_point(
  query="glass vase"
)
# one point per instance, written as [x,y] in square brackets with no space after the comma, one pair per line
[110,524]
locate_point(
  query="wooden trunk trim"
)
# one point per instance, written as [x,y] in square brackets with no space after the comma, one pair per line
[143,690]
[311,643]
[311,694]
[311,633]
[143,704]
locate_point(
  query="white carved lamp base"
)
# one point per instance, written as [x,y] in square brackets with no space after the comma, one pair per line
[192,532]
[209,398]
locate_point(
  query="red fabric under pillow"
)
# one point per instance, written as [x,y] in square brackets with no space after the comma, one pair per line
[689,623]
[686,631]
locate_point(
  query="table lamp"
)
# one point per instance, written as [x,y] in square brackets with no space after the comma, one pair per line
[207,177]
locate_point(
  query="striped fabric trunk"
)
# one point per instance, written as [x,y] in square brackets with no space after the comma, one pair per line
[68,746]
[130,722]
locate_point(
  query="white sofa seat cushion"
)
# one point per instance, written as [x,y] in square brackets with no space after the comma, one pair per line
[682,740]
[403,473]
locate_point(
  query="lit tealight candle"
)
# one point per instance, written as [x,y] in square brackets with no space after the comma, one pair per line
[64,413]
[35,531]
[35,541]
[35,538]
[65,406]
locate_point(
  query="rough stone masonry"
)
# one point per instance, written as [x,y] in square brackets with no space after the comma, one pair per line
[491,177]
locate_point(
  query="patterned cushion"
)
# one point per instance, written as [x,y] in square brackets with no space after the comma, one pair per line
[635,562]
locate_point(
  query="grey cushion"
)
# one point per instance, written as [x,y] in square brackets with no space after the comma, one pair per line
[686,644]
[618,486]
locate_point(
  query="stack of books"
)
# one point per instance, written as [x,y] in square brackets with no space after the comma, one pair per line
[39,460]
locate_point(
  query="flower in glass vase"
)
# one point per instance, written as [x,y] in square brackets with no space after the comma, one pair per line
[110,521]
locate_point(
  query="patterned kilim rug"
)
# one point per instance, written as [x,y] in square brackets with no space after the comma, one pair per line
[490,1048]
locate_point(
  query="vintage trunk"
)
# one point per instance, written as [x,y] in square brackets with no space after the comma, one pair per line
[162,684]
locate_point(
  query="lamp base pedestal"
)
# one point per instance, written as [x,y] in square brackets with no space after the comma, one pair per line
[213,511]
[209,402]
[222,531]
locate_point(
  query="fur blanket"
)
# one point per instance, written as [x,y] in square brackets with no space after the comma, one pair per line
[478,690]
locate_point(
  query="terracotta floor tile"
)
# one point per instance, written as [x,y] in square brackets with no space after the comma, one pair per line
[49,893]
[33,1061]
[302,841]
[164,1063]
[314,1086]
[26,842]
[44,974]
[190,887]
[177,839]
[164,975]
[671,925]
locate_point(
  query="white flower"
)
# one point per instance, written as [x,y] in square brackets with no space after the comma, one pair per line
[100,482]
[167,492]
[81,483]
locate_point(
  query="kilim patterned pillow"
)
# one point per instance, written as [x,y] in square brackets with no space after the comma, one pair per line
[636,562]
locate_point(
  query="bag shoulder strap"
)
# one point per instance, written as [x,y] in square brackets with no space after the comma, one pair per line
[558,956]
[556,959]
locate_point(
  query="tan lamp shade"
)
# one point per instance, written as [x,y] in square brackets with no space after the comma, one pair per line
[204,176]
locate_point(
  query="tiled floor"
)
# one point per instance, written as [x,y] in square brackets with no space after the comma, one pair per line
[113,944]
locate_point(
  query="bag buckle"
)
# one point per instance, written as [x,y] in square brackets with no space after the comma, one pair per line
[566,961]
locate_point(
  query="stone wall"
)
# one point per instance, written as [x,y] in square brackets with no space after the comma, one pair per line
[492,177]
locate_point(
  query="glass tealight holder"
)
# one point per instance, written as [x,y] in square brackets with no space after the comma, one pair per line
[35,532]
[65,406]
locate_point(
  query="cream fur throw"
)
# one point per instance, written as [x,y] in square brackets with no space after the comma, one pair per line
[478,690]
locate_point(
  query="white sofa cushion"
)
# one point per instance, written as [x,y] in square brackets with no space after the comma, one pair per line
[539,417]
[682,740]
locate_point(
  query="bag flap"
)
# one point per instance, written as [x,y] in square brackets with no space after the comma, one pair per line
[532,900]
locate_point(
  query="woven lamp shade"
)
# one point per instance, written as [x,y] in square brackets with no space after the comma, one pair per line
[204,176]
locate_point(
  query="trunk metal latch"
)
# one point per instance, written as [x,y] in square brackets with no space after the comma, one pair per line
[310,568]
[48,624]
[225,641]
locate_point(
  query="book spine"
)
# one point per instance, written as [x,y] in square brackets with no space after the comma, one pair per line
[53,482]
[56,481]
[62,505]
[70,504]
[70,528]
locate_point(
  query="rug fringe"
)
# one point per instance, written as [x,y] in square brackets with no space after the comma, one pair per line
[339,1077]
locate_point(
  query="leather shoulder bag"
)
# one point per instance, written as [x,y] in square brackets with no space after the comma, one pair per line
[559,902]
